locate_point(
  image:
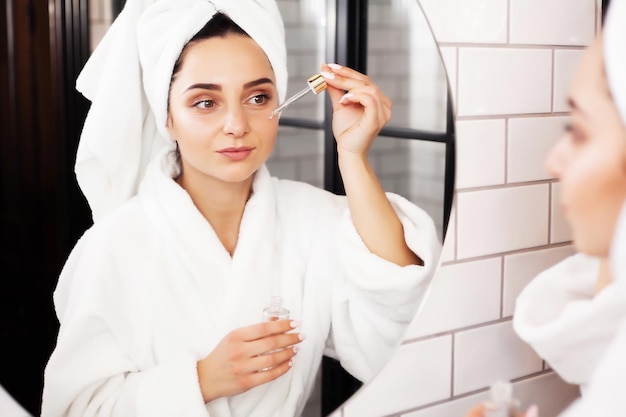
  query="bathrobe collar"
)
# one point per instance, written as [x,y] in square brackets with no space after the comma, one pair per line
[254,268]
[563,319]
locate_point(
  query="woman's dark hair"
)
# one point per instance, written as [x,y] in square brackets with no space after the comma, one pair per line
[219,26]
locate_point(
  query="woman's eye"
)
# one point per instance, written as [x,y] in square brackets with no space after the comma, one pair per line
[259,99]
[576,135]
[205,104]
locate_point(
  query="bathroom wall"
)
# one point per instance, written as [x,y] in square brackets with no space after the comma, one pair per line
[509,63]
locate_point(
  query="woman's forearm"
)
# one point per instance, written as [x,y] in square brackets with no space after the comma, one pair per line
[372,214]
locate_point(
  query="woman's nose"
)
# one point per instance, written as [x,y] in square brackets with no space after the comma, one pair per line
[555,161]
[236,122]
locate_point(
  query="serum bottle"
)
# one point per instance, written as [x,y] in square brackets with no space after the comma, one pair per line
[502,403]
[275,311]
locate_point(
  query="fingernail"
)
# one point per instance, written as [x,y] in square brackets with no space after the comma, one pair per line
[335,66]
[345,96]
[291,363]
[329,75]
[296,349]
[301,336]
[295,323]
[533,411]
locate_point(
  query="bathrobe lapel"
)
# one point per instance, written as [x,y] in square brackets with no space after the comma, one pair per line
[231,285]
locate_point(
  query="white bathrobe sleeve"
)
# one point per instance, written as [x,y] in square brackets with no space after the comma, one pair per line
[93,370]
[378,299]
[605,394]
[559,315]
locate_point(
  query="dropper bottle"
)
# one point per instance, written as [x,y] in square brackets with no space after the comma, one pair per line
[275,311]
[316,84]
[502,403]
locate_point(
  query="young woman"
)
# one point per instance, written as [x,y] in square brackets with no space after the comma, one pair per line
[574,313]
[160,302]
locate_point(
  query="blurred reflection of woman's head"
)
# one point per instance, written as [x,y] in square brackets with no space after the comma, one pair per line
[590,158]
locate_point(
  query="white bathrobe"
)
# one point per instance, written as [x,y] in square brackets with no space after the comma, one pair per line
[149,290]
[559,316]
[605,396]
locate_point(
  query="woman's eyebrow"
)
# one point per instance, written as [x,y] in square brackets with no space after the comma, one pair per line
[204,86]
[258,82]
[218,87]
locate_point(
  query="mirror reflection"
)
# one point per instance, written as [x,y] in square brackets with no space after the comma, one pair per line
[413,154]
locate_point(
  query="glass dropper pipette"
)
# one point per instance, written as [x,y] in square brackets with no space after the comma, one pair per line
[316,84]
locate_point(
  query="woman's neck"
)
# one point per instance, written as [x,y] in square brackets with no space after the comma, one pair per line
[221,203]
[604,275]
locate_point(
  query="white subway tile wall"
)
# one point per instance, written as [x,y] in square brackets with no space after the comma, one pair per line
[510,64]
[464,294]
[529,141]
[483,355]
[464,21]
[554,22]
[521,268]
[504,81]
[481,150]
[502,220]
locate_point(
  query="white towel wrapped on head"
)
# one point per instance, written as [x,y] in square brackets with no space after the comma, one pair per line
[614,33]
[127,81]
[614,36]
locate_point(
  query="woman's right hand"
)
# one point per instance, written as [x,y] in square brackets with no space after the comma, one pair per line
[247,357]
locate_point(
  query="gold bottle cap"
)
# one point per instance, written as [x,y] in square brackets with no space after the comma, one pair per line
[317,83]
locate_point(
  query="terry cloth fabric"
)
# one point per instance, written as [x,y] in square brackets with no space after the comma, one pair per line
[127,81]
[132,331]
[618,248]
[614,33]
[605,396]
[559,315]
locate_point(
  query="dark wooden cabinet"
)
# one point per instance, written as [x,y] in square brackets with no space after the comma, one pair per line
[43,45]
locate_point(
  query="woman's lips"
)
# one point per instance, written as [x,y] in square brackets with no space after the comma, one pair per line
[236,154]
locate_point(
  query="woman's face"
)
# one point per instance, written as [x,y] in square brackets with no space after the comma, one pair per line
[219,107]
[590,158]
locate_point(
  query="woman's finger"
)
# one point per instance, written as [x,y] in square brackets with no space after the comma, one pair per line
[347,72]
[272,359]
[273,343]
[262,376]
[268,328]
[374,111]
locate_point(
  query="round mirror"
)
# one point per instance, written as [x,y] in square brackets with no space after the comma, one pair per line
[390,40]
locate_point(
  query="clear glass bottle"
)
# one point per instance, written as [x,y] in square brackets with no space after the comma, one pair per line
[275,311]
[502,403]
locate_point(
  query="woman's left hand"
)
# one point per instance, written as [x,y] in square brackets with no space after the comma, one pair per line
[360,113]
